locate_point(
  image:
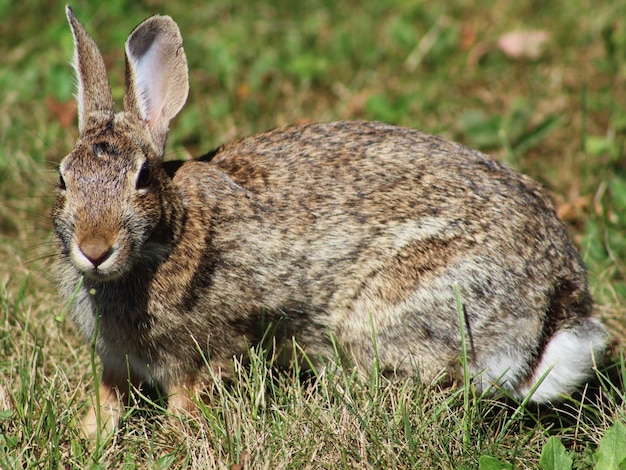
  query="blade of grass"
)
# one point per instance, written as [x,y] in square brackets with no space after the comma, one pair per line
[467,381]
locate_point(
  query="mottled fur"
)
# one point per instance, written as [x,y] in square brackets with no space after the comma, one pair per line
[316,229]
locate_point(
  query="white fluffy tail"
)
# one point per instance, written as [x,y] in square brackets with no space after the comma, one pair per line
[567,361]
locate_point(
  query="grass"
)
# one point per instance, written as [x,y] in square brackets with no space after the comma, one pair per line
[560,117]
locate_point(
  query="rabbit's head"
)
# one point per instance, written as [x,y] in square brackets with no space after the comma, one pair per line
[115,201]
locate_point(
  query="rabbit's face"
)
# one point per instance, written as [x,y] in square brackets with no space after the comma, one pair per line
[109,200]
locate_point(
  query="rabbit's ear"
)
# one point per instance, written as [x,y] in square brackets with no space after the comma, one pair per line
[157,80]
[94,91]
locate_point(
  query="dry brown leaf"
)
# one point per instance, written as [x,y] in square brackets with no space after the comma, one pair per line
[524,44]
[571,211]
[244,462]
[64,112]
[468,37]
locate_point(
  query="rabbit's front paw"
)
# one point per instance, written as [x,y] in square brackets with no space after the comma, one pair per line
[106,417]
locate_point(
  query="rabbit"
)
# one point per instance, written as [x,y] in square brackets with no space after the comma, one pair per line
[347,233]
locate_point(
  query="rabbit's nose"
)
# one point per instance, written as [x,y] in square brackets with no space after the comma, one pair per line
[96,250]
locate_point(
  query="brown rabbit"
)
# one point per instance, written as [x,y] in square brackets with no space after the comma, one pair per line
[327,232]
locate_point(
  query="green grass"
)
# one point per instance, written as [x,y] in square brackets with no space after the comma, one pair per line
[560,118]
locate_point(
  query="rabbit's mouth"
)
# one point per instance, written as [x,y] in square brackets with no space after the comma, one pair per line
[97,261]
[100,276]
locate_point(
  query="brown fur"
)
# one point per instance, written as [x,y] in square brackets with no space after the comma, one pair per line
[317,230]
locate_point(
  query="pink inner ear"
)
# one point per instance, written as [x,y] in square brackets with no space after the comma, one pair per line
[150,80]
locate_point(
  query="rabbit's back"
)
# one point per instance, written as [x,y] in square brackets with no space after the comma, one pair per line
[382,172]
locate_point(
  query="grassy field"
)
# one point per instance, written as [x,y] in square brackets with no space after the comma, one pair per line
[556,111]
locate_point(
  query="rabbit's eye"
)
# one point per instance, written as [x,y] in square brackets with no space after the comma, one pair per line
[144,179]
[61,182]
